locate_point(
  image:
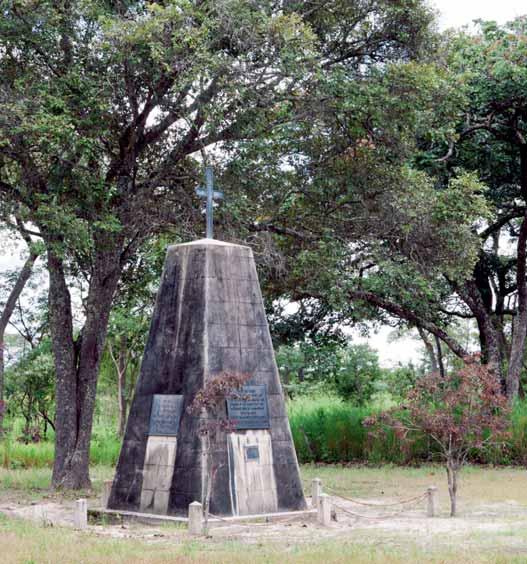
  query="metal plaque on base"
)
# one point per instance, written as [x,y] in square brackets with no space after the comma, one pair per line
[250,411]
[165,415]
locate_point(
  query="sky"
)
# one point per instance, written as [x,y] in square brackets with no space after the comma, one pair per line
[456,13]
[452,13]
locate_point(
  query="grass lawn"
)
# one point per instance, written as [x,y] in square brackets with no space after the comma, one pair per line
[492,526]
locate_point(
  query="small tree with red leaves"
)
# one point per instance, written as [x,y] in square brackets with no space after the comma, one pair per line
[209,403]
[461,412]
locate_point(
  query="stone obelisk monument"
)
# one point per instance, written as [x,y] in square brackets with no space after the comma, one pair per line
[209,318]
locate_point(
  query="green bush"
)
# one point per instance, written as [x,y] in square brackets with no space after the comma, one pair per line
[351,372]
[30,391]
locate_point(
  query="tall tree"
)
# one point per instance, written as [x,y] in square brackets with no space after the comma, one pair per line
[358,226]
[411,196]
[491,140]
[103,105]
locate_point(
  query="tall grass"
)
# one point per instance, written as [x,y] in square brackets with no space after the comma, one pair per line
[518,440]
[14,454]
[330,430]
[325,430]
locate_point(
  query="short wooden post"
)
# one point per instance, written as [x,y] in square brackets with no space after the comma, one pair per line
[431,501]
[81,514]
[195,518]
[316,491]
[324,510]
[106,491]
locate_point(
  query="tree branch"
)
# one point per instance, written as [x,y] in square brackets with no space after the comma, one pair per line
[410,316]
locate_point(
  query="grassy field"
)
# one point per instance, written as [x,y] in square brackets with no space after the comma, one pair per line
[22,543]
[492,526]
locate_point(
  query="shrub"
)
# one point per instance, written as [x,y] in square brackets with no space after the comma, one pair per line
[30,391]
[358,373]
[460,413]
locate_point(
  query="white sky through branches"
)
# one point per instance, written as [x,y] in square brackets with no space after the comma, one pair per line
[457,13]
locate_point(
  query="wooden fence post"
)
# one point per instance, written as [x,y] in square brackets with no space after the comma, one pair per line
[431,501]
[81,514]
[324,510]
[316,491]
[106,491]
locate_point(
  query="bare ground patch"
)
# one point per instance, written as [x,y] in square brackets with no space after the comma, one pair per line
[489,529]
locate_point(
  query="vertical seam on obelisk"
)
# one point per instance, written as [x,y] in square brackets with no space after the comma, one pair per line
[204,459]
[181,292]
[181,295]
[229,436]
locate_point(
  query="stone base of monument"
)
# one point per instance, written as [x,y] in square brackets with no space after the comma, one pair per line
[115,515]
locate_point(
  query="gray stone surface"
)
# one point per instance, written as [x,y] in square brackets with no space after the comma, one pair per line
[209,317]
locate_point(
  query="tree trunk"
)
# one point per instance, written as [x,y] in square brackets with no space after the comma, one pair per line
[520,322]
[77,362]
[7,312]
[63,344]
[2,404]
[440,358]
[429,349]
[121,364]
[301,374]
[489,336]
[452,471]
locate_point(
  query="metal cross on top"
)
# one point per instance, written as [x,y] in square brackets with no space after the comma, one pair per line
[211,195]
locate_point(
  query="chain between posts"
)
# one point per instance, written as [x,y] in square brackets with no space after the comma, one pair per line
[404,502]
[376,517]
[234,523]
[359,502]
[413,500]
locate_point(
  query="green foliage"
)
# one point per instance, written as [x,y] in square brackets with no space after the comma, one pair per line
[14,454]
[326,429]
[305,367]
[358,373]
[516,451]
[396,382]
[350,371]
[29,388]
